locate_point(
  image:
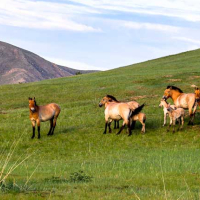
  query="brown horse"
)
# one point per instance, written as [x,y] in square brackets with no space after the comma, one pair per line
[43,113]
[182,100]
[118,111]
[197,95]
[132,104]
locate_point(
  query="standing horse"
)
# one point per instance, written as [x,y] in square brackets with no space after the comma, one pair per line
[117,111]
[182,100]
[43,113]
[132,104]
[197,95]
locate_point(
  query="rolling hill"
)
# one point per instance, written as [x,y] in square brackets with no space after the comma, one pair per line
[21,66]
[79,161]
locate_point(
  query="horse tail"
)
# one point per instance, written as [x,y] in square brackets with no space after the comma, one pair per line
[136,111]
[144,119]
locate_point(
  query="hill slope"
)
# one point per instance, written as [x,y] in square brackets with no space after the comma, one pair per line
[18,65]
[156,165]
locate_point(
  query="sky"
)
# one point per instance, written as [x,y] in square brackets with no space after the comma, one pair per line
[101,34]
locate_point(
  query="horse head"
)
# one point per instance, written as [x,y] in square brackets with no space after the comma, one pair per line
[32,104]
[167,93]
[105,100]
[197,94]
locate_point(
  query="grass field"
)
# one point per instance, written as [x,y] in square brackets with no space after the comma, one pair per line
[79,161]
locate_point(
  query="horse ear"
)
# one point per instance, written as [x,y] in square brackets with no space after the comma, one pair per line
[34,98]
[170,88]
[29,98]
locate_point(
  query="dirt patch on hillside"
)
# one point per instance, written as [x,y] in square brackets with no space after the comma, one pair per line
[174,80]
[167,76]
[144,97]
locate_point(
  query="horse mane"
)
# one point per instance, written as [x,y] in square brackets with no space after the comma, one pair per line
[112,97]
[174,88]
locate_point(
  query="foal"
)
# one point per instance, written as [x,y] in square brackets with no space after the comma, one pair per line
[164,104]
[176,114]
[43,113]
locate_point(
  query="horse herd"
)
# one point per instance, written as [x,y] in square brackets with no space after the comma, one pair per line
[129,112]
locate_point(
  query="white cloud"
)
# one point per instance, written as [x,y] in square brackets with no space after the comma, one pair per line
[43,15]
[185,39]
[150,26]
[187,10]
[72,64]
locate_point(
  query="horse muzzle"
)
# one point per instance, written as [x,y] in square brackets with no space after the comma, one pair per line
[100,104]
[165,98]
[32,109]
[197,99]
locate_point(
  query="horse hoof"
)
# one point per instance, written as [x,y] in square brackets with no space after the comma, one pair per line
[104,133]
[32,137]
[129,135]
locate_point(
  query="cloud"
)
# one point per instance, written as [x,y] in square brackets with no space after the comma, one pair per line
[43,15]
[72,64]
[188,40]
[187,10]
[150,26]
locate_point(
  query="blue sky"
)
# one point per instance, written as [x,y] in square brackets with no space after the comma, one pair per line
[101,34]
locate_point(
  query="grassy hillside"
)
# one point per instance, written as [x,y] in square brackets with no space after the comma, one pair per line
[157,165]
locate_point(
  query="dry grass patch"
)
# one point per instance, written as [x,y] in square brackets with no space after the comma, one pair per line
[174,80]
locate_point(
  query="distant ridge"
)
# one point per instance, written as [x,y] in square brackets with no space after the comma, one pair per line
[21,66]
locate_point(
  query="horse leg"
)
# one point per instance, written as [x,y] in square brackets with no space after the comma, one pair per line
[169,124]
[38,126]
[33,125]
[106,124]
[191,117]
[133,125]
[143,126]
[165,119]
[182,122]
[115,124]
[123,125]
[54,125]
[118,124]
[129,129]
[51,126]
[109,123]
[179,123]
[174,123]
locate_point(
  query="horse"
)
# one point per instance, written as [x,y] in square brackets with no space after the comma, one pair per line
[43,113]
[163,104]
[175,114]
[141,117]
[182,100]
[197,95]
[118,111]
[132,104]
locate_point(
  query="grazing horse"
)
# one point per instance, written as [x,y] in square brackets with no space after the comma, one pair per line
[117,111]
[43,113]
[182,100]
[132,104]
[197,95]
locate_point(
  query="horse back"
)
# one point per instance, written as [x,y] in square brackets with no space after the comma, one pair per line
[49,111]
[185,100]
[117,111]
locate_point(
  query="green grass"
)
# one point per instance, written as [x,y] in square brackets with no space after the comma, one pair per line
[157,165]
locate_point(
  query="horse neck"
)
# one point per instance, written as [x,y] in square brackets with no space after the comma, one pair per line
[106,104]
[175,95]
